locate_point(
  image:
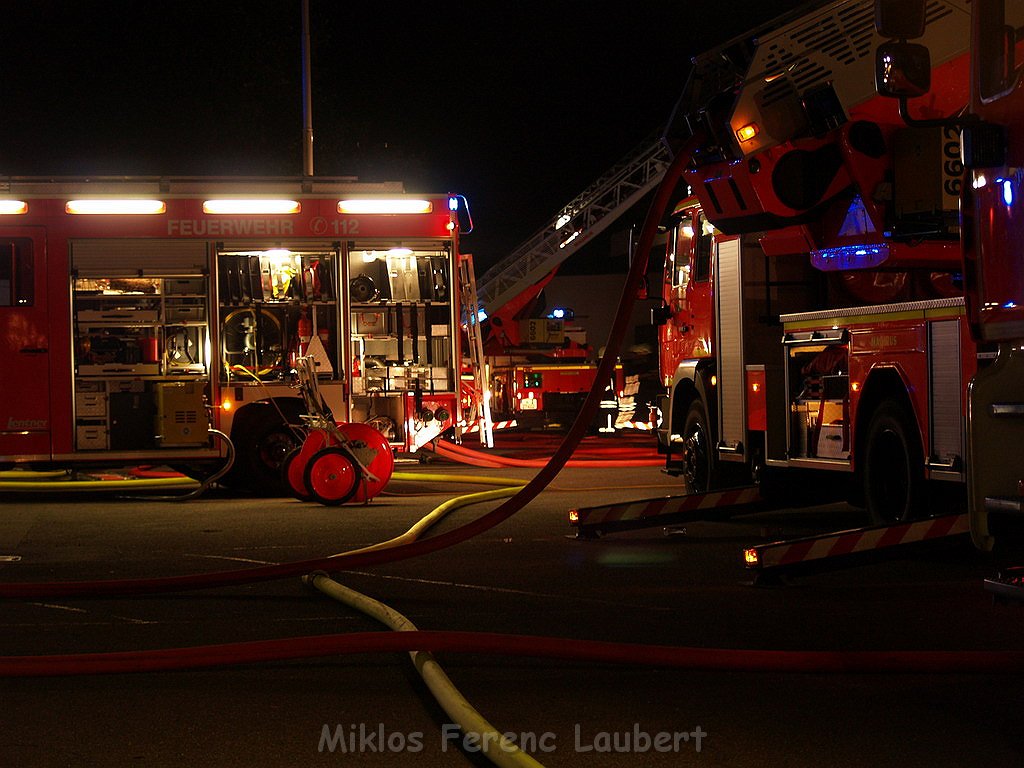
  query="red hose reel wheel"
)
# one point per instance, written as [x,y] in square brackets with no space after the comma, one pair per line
[332,476]
[293,468]
[382,465]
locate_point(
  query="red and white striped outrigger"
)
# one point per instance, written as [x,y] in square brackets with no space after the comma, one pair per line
[768,561]
[666,510]
[831,549]
[496,425]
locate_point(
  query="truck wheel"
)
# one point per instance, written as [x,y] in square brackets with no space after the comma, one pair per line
[696,453]
[893,466]
[260,459]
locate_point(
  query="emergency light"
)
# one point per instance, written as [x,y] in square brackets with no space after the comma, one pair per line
[381,205]
[843,257]
[13,207]
[244,206]
[103,206]
[747,132]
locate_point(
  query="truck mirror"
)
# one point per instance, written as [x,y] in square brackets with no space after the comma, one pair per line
[903,19]
[644,291]
[902,70]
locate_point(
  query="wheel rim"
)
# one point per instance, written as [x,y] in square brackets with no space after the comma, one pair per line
[695,459]
[274,448]
[331,476]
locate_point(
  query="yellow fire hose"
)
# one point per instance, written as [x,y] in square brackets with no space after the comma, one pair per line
[499,749]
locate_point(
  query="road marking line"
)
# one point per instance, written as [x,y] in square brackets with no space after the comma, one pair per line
[56,607]
[507,591]
[235,559]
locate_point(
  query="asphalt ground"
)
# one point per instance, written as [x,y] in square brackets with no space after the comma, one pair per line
[686,586]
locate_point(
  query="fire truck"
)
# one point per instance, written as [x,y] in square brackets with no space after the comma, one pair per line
[843,292]
[539,368]
[138,313]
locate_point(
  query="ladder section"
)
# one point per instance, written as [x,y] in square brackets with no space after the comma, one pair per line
[480,408]
[588,215]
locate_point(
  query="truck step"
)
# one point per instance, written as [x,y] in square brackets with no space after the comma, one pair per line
[1007,585]
[1005,504]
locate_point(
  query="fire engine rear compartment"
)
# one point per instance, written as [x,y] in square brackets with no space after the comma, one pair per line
[142,345]
[223,323]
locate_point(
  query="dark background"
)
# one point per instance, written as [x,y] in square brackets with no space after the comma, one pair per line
[518,106]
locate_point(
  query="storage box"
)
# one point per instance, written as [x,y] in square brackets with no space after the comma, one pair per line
[831,442]
[90,404]
[119,369]
[91,437]
[129,316]
[186,313]
[185,286]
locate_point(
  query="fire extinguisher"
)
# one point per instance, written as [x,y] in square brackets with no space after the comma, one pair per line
[305,332]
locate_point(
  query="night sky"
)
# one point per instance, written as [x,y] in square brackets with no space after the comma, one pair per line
[518,106]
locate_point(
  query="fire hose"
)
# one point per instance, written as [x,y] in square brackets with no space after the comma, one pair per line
[465,455]
[533,646]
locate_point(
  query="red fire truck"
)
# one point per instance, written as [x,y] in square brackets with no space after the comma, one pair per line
[137,312]
[843,294]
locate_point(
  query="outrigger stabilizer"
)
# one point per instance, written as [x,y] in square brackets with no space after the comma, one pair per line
[769,562]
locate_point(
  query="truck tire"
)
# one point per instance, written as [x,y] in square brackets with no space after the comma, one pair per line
[893,466]
[698,464]
[259,457]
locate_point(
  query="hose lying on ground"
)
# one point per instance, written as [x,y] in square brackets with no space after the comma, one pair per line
[465,455]
[554,648]
[498,748]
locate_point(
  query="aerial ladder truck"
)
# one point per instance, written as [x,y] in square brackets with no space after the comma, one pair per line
[843,294]
[539,364]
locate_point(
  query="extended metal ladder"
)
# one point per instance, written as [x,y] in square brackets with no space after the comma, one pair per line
[588,215]
[480,409]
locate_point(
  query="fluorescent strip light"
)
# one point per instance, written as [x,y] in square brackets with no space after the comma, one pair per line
[252,206]
[13,207]
[104,206]
[399,205]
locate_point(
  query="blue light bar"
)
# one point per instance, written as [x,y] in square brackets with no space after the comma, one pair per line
[850,257]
